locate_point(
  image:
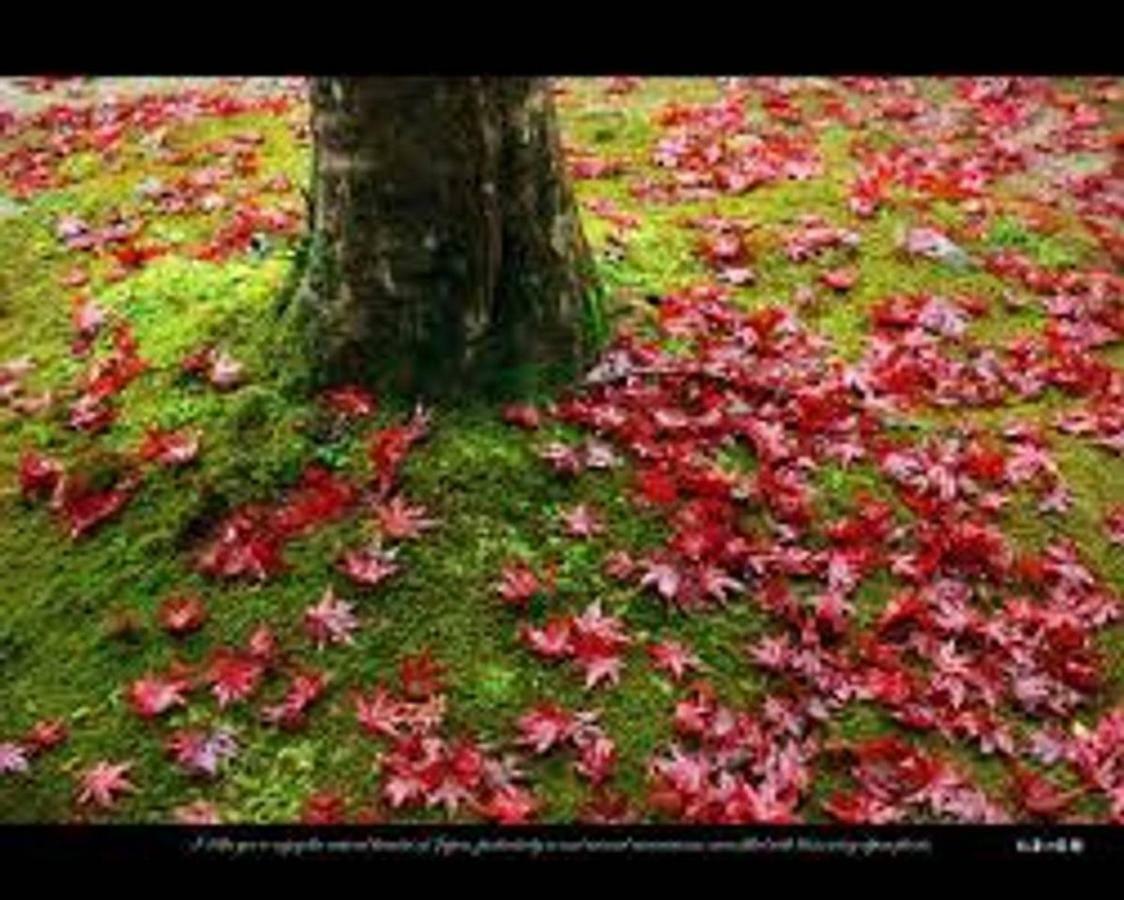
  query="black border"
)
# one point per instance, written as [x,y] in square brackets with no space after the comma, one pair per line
[440,844]
[931,40]
[648,39]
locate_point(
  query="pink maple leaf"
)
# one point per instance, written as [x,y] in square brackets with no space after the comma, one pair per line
[87,316]
[199,753]
[840,279]
[581,521]
[225,372]
[599,667]
[597,755]
[664,577]
[604,629]
[398,520]
[510,805]
[262,645]
[518,584]
[674,658]
[1114,525]
[380,713]
[198,812]
[552,641]
[619,565]
[331,621]
[599,455]
[564,460]
[101,784]
[369,566]
[861,809]
[13,758]
[546,726]
[716,582]
[153,695]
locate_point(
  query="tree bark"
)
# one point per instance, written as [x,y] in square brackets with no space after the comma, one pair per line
[446,247]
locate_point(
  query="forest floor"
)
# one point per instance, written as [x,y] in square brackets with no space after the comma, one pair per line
[833,533]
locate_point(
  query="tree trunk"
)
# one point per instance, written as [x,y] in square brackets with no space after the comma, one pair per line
[446,247]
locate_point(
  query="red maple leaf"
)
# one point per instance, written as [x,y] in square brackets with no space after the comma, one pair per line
[890,769]
[509,805]
[233,676]
[607,807]
[246,545]
[45,735]
[87,317]
[219,368]
[320,496]
[657,487]
[91,414]
[1038,796]
[383,714]
[523,415]
[860,809]
[304,689]
[169,448]
[420,675]
[84,510]
[665,576]
[350,401]
[199,362]
[714,582]
[39,475]
[182,615]
[324,808]
[389,447]
[518,584]
[693,714]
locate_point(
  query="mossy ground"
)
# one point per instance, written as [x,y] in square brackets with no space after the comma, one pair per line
[495,499]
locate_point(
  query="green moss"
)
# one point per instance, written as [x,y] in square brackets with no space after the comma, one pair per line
[1052,253]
